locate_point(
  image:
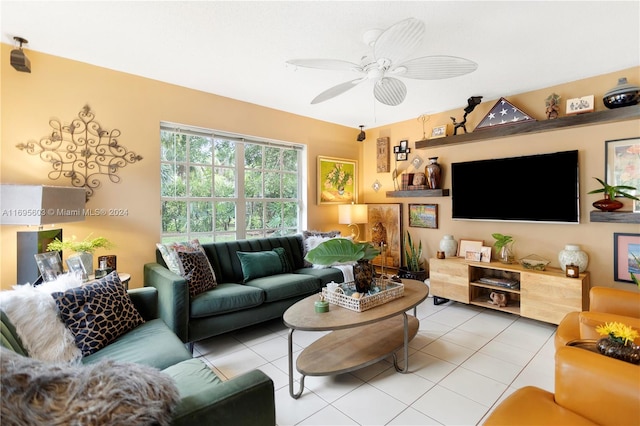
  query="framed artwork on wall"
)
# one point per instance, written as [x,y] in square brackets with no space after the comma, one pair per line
[382,155]
[625,247]
[622,164]
[423,216]
[385,223]
[337,180]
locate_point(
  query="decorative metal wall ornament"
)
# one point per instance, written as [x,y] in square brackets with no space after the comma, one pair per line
[82,151]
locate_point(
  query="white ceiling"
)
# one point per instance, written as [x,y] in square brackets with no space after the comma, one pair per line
[238,49]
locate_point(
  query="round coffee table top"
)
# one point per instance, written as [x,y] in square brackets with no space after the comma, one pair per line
[302,315]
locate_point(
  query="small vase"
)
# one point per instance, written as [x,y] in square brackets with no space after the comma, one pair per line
[572,255]
[341,190]
[433,173]
[618,350]
[449,246]
[506,254]
[624,94]
[607,204]
[363,273]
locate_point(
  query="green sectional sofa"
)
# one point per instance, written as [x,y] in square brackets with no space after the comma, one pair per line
[236,302]
[204,398]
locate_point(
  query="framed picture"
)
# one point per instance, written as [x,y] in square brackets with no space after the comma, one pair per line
[473,256]
[49,264]
[579,105]
[404,144]
[485,254]
[622,164]
[401,156]
[396,149]
[439,132]
[337,180]
[469,245]
[76,266]
[625,247]
[382,155]
[385,222]
[417,162]
[423,216]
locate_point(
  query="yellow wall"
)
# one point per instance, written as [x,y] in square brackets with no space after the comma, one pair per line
[542,239]
[59,88]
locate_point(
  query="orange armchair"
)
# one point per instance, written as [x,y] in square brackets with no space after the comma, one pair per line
[606,305]
[590,389]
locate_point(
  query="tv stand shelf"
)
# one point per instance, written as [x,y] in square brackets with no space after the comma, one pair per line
[542,295]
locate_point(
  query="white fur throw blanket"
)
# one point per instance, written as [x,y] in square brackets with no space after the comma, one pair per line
[104,393]
[34,314]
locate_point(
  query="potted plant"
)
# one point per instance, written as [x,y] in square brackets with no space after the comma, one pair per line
[414,262]
[504,247]
[343,250]
[84,248]
[609,202]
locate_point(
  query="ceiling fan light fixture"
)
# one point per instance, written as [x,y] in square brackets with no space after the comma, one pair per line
[370,36]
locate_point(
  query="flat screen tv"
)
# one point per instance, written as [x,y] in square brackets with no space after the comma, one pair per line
[535,188]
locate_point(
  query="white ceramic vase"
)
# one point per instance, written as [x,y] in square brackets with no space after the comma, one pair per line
[573,255]
[449,246]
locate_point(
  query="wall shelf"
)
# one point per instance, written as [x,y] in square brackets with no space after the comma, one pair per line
[614,217]
[419,193]
[586,119]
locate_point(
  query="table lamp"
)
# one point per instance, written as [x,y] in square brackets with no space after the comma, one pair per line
[38,205]
[352,215]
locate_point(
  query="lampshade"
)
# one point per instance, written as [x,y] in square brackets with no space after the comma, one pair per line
[352,213]
[41,204]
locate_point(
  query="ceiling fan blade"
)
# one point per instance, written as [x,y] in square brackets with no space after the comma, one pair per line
[399,41]
[326,64]
[434,67]
[336,90]
[390,91]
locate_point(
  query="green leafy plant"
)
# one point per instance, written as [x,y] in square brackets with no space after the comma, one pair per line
[614,191]
[413,255]
[87,245]
[340,250]
[501,240]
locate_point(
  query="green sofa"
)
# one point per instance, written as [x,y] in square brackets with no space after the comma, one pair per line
[234,303]
[204,398]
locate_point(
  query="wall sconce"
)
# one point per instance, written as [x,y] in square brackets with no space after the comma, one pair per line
[38,205]
[362,135]
[352,215]
[18,59]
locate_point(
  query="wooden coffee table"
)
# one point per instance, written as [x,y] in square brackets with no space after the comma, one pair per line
[357,339]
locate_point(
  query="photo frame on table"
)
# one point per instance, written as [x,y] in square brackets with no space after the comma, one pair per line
[76,266]
[423,216]
[390,217]
[469,245]
[622,164]
[625,247]
[337,180]
[49,265]
[439,132]
[485,254]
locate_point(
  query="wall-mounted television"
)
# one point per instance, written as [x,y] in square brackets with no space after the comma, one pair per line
[535,188]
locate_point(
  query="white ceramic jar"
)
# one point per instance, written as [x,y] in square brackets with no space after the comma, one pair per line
[573,255]
[449,246]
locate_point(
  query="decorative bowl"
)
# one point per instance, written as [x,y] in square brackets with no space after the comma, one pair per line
[534,262]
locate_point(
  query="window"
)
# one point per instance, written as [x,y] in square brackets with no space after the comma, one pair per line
[222,187]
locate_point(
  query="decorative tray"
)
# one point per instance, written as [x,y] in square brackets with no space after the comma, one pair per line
[387,291]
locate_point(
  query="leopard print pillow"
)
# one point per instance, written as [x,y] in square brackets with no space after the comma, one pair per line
[197,272]
[97,313]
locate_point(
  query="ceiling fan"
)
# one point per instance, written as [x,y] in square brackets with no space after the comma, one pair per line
[389,59]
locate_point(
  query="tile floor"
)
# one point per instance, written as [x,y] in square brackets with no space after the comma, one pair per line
[463,362]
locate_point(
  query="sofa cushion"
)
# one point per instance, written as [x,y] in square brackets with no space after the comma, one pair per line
[309,242]
[325,275]
[260,264]
[284,259]
[226,297]
[152,343]
[197,271]
[97,313]
[170,253]
[285,286]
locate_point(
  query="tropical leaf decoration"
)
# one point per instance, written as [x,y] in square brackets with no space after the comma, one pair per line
[340,250]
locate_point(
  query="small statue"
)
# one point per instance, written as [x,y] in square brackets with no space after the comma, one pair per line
[553,106]
[472,102]
[499,299]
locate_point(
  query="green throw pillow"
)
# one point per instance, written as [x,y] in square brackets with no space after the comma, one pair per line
[284,259]
[258,264]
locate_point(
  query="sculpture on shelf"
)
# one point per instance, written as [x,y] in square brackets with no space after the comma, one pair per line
[553,106]
[472,102]
[499,299]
